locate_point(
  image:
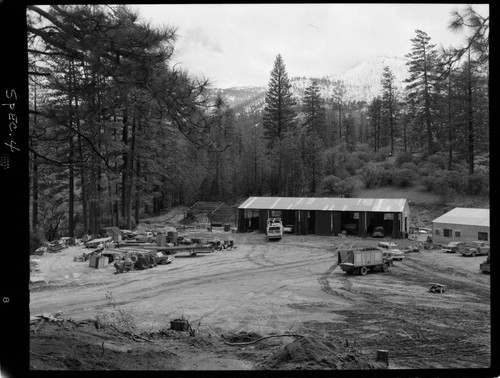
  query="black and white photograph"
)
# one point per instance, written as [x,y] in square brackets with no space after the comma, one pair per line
[254,188]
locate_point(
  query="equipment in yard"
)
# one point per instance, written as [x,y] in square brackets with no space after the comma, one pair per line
[192,249]
[485,266]
[274,228]
[437,288]
[362,260]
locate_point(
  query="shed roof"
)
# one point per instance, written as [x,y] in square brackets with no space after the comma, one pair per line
[326,204]
[467,216]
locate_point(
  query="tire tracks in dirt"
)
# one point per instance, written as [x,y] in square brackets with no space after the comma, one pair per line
[323,279]
[137,292]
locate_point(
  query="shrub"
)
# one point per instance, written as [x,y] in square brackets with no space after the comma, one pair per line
[122,224]
[428,182]
[403,177]
[364,156]
[439,160]
[478,183]
[346,187]
[387,165]
[370,175]
[36,240]
[455,180]
[403,157]
[386,176]
[442,188]
[427,168]
[411,166]
[353,163]
[337,186]
[330,184]
[381,154]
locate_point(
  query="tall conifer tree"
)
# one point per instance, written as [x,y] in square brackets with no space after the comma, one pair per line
[422,83]
[314,109]
[278,113]
[389,102]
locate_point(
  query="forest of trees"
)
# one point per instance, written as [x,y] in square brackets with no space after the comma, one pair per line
[117,131]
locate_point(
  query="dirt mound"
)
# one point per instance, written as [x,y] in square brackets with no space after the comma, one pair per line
[312,353]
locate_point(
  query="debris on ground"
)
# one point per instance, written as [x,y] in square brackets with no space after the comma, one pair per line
[56,246]
[308,352]
[40,251]
[437,288]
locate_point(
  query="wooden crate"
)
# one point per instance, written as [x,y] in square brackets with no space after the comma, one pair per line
[102,261]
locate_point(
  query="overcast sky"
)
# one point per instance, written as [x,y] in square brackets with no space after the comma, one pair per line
[236,44]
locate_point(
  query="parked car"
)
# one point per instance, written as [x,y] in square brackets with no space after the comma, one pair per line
[474,248]
[387,245]
[397,254]
[378,232]
[452,247]
[391,249]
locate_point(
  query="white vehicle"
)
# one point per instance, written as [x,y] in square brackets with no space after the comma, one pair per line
[274,228]
[396,254]
[387,245]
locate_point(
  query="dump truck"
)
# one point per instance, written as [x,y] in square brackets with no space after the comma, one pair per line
[362,260]
[485,266]
[274,228]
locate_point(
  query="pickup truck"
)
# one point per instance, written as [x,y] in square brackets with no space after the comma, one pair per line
[474,248]
[274,228]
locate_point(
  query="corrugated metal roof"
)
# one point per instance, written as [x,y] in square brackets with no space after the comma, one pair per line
[325,204]
[467,216]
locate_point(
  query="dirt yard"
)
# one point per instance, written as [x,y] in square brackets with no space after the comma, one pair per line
[259,289]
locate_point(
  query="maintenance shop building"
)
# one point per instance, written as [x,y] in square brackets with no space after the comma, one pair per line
[327,216]
[462,224]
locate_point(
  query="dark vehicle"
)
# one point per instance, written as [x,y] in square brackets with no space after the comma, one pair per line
[485,266]
[452,247]
[361,260]
[378,232]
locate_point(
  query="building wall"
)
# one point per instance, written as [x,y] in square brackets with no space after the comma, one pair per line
[467,232]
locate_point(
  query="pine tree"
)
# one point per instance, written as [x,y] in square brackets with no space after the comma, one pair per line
[475,55]
[375,116]
[278,112]
[314,110]
[389,103]
[423,81]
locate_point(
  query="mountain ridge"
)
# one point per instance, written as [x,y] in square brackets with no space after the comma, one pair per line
[362,82]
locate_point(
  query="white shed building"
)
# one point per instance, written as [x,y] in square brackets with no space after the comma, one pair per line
[462,224]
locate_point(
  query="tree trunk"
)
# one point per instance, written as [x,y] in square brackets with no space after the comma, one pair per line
[34,213]
[137,192]
[130,177]
[450,134]
[71,196]
[470,123]
[125,163]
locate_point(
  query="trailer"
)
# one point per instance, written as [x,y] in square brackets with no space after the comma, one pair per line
[362,260]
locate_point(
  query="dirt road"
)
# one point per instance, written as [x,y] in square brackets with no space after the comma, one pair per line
[293,285]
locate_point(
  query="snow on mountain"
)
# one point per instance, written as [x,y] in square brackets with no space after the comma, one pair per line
[364,81]
[359,83]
